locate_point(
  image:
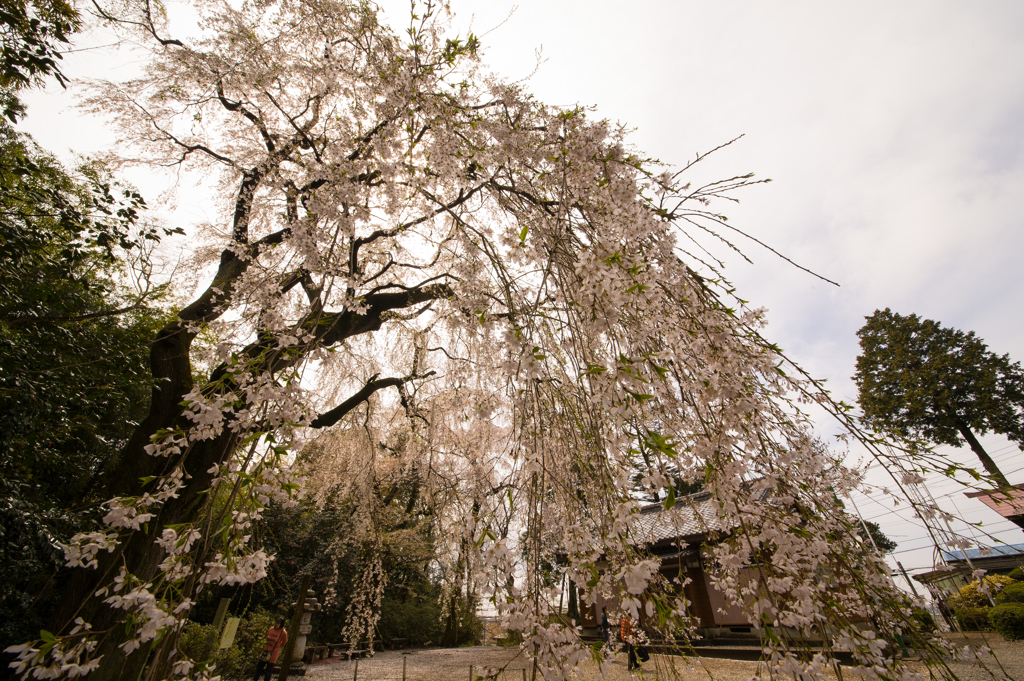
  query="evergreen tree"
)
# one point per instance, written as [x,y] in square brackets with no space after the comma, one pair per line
[921,379]
[74,363]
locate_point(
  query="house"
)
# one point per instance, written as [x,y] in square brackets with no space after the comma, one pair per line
[678,538]
[999,560]
[1007,503]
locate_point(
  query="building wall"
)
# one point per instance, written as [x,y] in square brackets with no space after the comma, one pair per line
[727,615]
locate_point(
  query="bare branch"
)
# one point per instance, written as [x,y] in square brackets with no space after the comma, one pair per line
[331,417]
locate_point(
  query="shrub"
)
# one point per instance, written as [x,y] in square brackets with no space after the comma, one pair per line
[240,659]
[199,641]
[973,619]
[971,595]
[1017,574]
[1008,620]
[1012,593]
[924,620]
[512,639]
[252,632]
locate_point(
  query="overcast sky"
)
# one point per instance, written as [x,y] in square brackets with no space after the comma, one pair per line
[892,133]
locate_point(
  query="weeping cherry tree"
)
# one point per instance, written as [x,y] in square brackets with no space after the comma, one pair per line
[409,248]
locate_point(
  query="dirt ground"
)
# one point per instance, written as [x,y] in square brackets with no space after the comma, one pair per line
[453,664]
[1007,660]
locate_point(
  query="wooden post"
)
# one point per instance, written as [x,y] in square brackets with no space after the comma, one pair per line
[355,674]
[470,672]
[524,673]
[293,630]
[404,660]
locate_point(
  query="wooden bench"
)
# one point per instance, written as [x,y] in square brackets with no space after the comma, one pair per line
[396,643]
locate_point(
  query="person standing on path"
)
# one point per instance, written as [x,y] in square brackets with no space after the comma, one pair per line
[606,627]
[627,638]
[276,638]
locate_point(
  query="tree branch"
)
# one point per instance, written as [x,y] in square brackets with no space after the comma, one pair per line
[331,417]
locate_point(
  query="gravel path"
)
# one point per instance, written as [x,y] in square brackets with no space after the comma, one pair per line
[452,664]
[1008,662]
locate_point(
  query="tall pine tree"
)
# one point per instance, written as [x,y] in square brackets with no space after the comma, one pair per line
[921,379]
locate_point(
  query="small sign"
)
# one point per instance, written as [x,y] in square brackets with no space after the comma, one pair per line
[228,637]
[222,611]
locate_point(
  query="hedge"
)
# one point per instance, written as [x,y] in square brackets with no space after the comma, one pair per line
[972,619]
[1008,620]
[1014,593]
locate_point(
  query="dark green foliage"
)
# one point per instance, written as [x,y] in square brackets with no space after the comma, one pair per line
[1008,620]
[32,35]
[309,539]
[1016,574]
[417,619]
[74,377]
[200,641]
[304,540]
[922,380]
[1012,593]
[924,620]
[972,619]
[312,539]
[884,544]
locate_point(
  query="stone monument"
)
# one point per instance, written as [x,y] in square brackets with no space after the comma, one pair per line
[298,666]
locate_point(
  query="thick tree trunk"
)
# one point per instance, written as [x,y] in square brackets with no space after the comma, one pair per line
[574,607]
[141,556]
[982,455]
[451,629]
[172,370]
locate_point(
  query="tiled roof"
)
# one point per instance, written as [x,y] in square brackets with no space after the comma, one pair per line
[692,517]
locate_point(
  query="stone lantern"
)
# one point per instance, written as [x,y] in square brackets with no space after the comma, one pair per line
[298,667]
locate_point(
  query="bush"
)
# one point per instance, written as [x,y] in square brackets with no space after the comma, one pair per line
[972,619]
[1017,574]
[971,595]
[1012,593]
[1008,620]
[924,620]
[199,641]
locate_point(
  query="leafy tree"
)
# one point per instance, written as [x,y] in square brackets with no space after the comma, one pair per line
[74,375]
[920,379]
[880,539]
[73,336]
[31,37]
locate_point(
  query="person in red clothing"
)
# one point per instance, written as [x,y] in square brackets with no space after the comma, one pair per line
[627,638]
[276,638]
